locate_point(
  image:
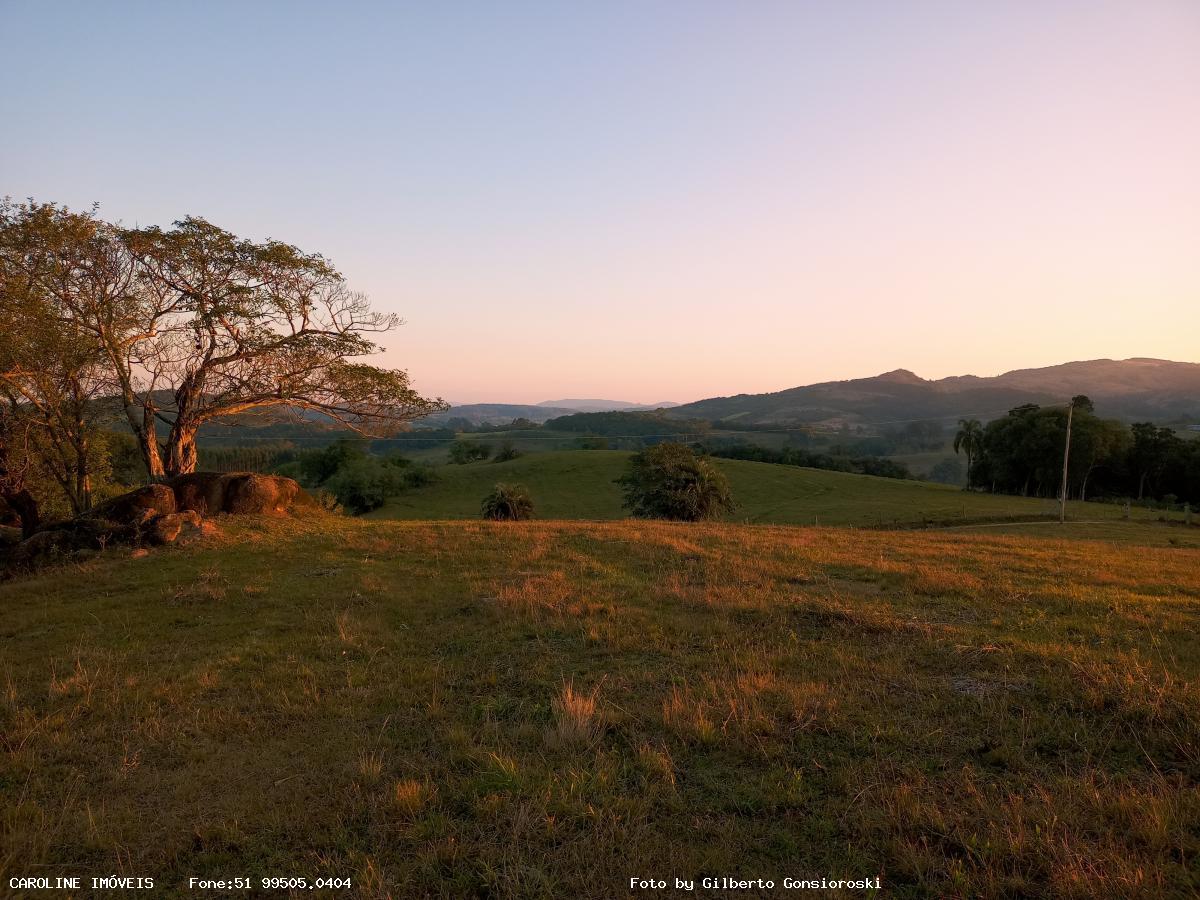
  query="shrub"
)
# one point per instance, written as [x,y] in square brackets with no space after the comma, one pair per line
[669,481]
[364,485]
[508,503]
[418,476]
[506,452]
[462,452]
[326,501]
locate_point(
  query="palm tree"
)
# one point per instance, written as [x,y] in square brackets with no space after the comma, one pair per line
[969,439]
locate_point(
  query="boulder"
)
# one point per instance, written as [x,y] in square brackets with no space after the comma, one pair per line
[167,528]
[156,514]
[162,529]
[202,492]
[66,539]
[237,493]
[270,495]
[138,505]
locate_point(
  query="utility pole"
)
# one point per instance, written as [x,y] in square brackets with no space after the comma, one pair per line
[1062,515]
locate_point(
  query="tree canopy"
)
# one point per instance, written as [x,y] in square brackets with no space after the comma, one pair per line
[670,481]
[181,327]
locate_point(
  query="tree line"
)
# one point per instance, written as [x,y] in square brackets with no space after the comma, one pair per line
[1022,453]
[797,456]
[165,330]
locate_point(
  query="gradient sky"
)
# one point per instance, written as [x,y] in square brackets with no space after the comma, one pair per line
[657,200]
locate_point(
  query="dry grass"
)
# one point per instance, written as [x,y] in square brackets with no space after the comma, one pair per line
[545,709]
[577,719]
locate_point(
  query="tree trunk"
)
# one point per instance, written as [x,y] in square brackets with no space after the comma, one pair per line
[82,499]
[147,439]
[181,442]
[181,449]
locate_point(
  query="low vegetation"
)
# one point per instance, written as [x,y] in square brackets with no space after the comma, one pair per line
[671,481]
[508,503]
[546,709]
[357,480]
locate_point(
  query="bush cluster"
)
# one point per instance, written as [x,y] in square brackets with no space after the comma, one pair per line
[359,481]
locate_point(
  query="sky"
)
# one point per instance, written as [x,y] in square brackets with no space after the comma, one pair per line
[657,200]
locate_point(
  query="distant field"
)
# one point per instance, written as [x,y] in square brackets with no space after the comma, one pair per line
[546,710]
[580,485]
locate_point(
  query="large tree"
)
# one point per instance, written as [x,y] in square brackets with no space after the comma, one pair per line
[247,325]
[188,325]
[51,371]
[81,274]
[1151,450]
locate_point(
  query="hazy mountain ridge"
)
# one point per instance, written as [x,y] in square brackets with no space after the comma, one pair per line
[606,405]
[1139,388]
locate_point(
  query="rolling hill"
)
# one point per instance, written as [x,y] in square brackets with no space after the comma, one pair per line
[1131,389]
[579,484]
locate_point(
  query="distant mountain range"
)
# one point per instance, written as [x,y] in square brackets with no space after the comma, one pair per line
[605,405]
[1131,389]
[503,413]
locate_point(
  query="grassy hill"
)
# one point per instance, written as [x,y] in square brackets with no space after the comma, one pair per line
[548,709]
[579,485]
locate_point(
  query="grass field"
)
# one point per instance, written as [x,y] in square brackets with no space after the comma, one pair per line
[548,709]
[580,485]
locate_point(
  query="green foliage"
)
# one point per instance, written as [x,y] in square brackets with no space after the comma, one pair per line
[506,452]
[648,424]
[362,485]
[463,452]
[1022,453]
[669,481]
[318,466]
[125,461]
[508,503]
[796,456]
[357,480]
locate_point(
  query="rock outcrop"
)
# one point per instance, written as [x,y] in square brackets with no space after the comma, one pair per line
[238,493]
[158,514]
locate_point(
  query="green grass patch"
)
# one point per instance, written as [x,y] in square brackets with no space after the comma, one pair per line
[581,485]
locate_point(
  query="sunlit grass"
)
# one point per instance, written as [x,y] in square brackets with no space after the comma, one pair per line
[544,709]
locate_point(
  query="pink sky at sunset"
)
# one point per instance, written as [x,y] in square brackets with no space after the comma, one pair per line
[669,201]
